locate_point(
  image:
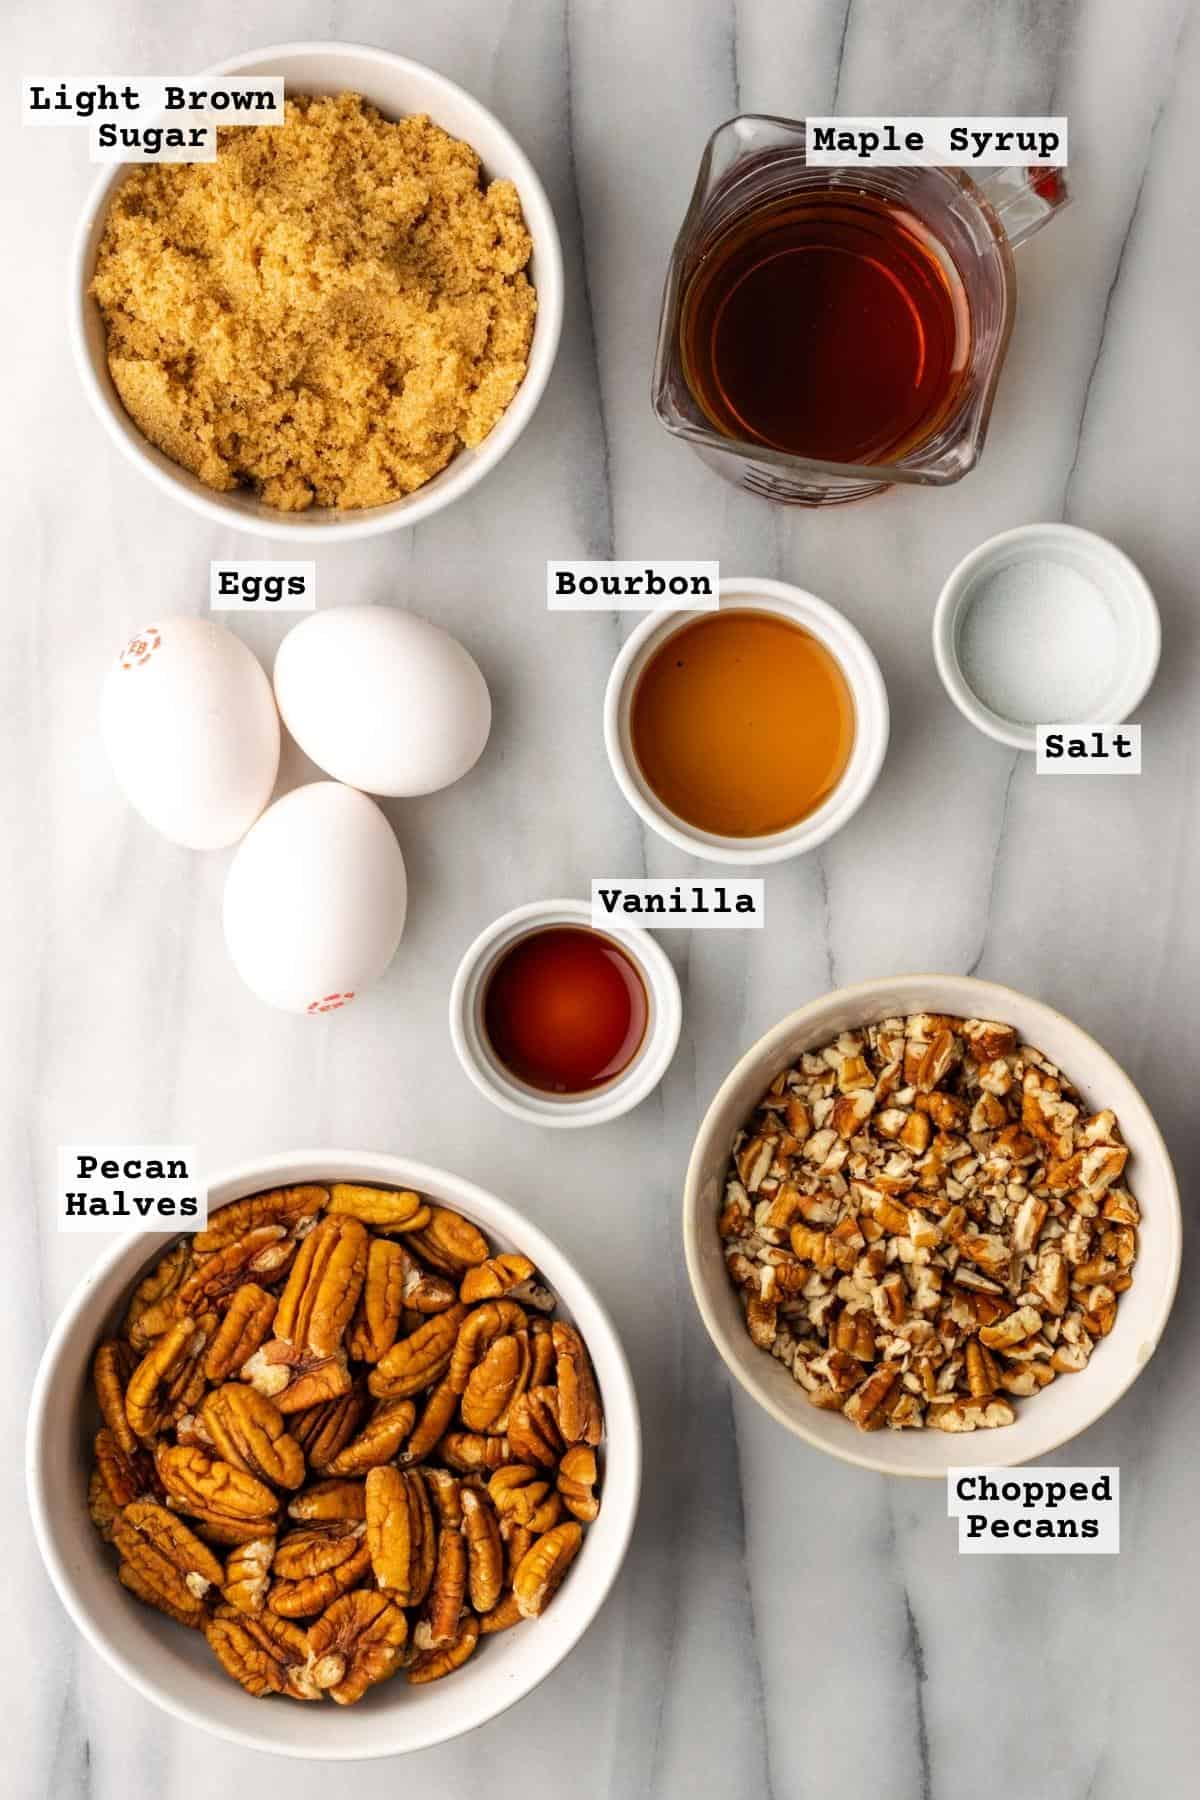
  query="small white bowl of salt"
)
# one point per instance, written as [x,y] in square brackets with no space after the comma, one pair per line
[1045,625]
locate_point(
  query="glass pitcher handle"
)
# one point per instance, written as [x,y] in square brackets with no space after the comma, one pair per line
[1023,199]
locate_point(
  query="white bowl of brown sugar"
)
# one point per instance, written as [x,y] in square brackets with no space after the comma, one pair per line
[339,326]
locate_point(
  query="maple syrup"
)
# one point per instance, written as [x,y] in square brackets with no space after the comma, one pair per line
[829,324]
[742,723]
[565,1009]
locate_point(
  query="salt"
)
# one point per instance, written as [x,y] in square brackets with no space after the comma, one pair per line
[1037,643]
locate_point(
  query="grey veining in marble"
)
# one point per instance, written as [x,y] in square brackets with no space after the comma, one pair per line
[785,1626]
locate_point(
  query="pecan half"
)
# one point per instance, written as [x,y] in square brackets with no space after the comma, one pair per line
[265,1655]
[263,1253]
[495,1381]
[579,1416]
[503,1616]
[378,1441]
[432,1664]
[436,1419]
[151,1308]
[448,1590]
[383,1209]
[314,1567]
[417,1361]
[248,1431]
[296,1380]
[293,1208]
[485,1551]
[471,1454]
[477,1333]
[323,1287]
[322,1431]
[169,1379]
[357,1642]
[449,1243]
[543,1566]
[533,1427]
[112,1366]
[246,1325]
[208,1488]
[248,1574]
[329,1501]
[577,1482]
[377,1318]
[519,1492]
[171,1568]
[400,1533]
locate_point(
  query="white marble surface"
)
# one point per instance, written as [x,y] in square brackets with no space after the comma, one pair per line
[785,1625]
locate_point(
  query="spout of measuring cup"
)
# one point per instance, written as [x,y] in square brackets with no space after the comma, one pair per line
[1024,199]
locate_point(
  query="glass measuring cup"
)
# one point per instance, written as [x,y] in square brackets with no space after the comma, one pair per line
[754,161]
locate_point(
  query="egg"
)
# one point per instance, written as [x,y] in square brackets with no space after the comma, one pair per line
[190,727]
[382,700]
[315,899]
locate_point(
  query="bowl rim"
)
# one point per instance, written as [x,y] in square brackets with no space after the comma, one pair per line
[633,1085]
[1132,684]
[693,1218]
[364,522]
[242,1179]
[860,669]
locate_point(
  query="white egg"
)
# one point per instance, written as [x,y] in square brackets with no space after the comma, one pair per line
[382,700]
[191,731]
[315,899]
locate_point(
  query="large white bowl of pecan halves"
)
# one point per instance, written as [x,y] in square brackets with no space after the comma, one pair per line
[929,1221]
[343,1475]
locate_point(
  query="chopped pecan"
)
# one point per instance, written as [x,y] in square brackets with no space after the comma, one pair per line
[543,1566]
[356,1643]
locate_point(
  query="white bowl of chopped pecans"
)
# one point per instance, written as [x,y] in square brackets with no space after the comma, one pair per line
[926,1209]
[397,1589]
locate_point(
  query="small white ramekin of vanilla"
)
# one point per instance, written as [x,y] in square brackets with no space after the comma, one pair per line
[1045,625]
